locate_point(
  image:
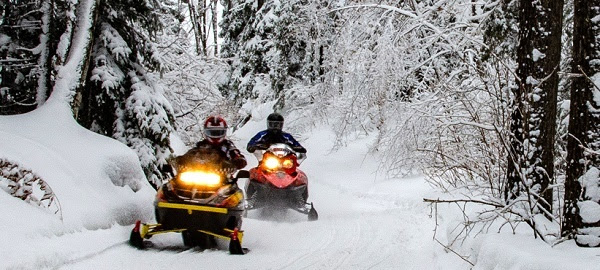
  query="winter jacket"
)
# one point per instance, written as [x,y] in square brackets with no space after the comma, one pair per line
[227,150]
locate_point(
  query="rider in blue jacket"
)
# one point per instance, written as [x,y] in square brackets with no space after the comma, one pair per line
[273,134]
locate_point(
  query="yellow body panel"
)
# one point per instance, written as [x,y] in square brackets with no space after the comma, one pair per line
[190,208]
[149,229]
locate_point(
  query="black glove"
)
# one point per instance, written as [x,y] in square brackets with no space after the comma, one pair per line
[239,163]
[261,146]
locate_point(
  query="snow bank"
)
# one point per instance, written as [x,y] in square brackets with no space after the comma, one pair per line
[502,251]
[500,246]
[97,180]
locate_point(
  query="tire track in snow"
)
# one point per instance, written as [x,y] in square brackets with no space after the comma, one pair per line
[338,245]
[358,239]
[89,256]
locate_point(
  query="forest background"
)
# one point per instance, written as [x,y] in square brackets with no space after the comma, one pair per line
[496,102]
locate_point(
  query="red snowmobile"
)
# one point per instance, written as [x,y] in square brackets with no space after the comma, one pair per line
[277,184]
[202,202]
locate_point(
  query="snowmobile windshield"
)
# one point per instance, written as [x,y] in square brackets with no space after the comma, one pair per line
[280,149]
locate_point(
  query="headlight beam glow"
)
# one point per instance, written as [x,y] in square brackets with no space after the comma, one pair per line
[200,178]
[272,163]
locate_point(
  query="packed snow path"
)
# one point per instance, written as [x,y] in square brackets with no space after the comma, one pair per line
[365,222]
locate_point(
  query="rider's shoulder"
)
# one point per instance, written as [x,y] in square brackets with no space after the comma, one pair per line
[287,135]
[261,133]
[228,142]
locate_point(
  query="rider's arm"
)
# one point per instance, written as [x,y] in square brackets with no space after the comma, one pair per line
[257,142]
[293,143]
[235,156]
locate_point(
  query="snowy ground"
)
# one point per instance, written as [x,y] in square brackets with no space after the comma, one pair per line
[365,220]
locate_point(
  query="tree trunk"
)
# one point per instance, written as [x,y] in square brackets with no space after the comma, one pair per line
[203,28]
[78,103]
[194,21]
[583,119]
[48,46]
[524,68]
[76,56]
[215,26]
[543,99]
[538,58]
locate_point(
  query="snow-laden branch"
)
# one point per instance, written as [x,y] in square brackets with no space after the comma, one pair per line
[394,9]
[469,123]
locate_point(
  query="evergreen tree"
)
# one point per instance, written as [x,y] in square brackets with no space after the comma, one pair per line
[119,99]
[245,30]
[285,57]
[29,32]
[501,32]
[299,39]
[272,45]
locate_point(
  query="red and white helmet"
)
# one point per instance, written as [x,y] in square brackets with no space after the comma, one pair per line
[215,129]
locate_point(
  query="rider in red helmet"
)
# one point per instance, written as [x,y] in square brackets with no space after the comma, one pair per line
[215,129]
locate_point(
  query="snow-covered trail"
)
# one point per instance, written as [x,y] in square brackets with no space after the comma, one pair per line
[365,222]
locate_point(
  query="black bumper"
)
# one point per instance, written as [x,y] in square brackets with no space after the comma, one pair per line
[197,217]
[265,195]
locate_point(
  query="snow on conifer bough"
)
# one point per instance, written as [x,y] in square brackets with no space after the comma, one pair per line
[202,202]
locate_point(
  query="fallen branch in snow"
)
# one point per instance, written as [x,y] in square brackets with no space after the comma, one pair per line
[456,253]
[20,183]
[445,246]
[510,213]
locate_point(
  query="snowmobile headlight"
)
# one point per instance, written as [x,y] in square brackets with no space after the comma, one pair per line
[200,178]
[271,163]
[288,164]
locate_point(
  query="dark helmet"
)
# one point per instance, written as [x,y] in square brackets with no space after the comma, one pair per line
[215,129]
[275,122]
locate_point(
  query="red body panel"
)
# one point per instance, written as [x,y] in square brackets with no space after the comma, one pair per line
[279,179]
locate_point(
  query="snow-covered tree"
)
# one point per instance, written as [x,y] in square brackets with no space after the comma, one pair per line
[389,53]
[119,99]
[29,36]
[203,21]
[41,39]
[245,29]
[273,45]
